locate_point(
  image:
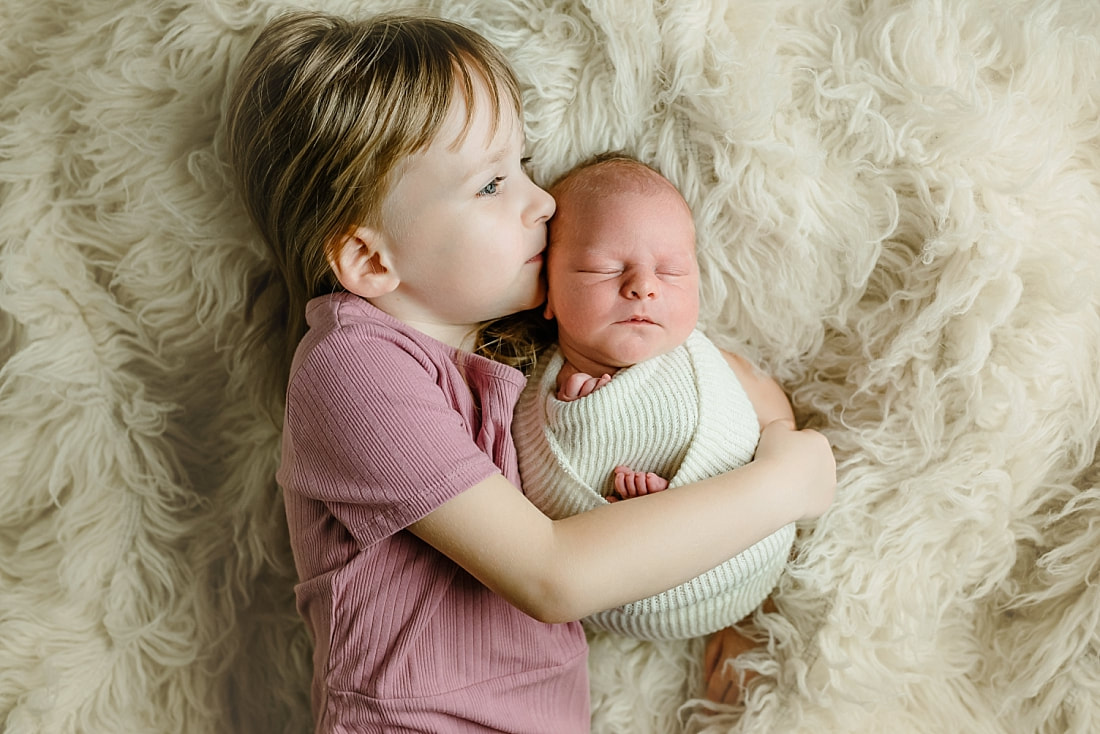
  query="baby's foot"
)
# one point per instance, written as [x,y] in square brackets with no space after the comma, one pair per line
[723,682]
[630,483]
[579,385]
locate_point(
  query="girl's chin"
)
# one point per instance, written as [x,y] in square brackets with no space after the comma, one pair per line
[531,305]
[537,300]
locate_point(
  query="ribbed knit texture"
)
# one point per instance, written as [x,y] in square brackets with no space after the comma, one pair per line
[684,416]
[382,426]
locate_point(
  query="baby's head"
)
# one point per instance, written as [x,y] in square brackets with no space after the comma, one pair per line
[621,268]
[323,115]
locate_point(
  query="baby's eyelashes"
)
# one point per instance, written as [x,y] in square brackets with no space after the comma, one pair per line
[612,273]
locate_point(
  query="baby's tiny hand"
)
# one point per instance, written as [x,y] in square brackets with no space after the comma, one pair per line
[579,385]
[630,483]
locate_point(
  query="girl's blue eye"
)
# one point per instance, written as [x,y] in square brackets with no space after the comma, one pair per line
[491,187]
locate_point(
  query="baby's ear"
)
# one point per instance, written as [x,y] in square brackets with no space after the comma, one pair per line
[362,264]
[548,309]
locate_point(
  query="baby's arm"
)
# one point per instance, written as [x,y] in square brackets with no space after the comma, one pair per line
[563,570]
[768,399]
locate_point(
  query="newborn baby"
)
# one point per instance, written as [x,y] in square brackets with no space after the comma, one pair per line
[633,398]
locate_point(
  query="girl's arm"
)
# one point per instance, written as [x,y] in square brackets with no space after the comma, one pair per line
[562,570]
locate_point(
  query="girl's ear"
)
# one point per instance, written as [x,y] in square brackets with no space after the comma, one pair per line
[362,264]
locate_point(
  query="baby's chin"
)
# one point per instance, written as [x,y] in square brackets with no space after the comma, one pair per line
[622,358]
[610,355]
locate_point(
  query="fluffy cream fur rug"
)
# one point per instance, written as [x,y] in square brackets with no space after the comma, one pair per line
[899,216]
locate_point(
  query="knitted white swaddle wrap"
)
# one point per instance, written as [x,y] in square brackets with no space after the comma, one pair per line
[684,416]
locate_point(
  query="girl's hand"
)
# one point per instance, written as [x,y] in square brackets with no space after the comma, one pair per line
[807,459]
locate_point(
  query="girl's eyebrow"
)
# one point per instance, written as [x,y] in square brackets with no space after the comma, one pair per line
[494,158]
[490,161]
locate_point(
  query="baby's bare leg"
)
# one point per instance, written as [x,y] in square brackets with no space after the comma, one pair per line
[630,483]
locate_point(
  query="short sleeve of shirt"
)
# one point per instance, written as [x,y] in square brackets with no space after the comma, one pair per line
[372,432]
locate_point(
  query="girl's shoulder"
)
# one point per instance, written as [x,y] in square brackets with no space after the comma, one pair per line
[347,317]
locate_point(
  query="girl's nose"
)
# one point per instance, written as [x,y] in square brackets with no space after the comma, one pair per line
[541,206]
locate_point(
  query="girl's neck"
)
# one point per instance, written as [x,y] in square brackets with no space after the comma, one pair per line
[459,336]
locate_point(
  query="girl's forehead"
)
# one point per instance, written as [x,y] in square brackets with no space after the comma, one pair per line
[471,141]
[481,112]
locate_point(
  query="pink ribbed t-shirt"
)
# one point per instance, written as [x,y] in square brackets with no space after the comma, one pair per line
[384,424]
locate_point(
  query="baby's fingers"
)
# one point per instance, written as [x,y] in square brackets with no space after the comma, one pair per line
[626,482]
[620,481]
[654,483]
[592,384]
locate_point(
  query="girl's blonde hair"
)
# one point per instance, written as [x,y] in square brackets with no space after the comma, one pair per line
[323,110]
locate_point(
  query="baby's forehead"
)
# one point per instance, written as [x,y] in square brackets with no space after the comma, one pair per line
[615,189]
[625,229]
[620,196]
[616,177]
[623,207]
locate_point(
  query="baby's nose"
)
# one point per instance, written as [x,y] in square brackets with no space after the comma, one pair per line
[641,285]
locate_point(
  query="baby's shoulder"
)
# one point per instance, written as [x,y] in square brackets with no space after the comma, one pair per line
[700,346]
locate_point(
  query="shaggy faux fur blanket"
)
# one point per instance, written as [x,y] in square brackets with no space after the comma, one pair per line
[898,209]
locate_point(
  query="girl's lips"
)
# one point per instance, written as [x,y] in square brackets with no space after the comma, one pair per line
[536,258]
